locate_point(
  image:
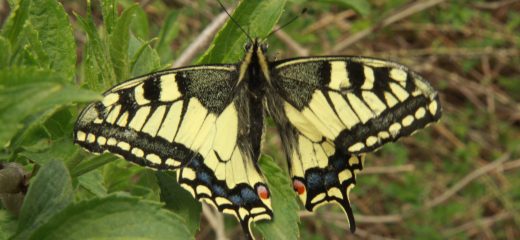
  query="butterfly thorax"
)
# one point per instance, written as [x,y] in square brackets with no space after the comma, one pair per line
[253,76]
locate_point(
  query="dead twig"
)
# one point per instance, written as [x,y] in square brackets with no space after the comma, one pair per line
[359,218]
[201,42]
[485,222]
[451,52]
[397,16]
[494,5]
[216,221]
[388,170]
[291,43]
[466,180]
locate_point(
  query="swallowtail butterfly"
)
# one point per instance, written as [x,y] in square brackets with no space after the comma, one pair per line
[207,123]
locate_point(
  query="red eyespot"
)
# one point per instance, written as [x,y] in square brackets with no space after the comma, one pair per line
[262,191]
[298,186]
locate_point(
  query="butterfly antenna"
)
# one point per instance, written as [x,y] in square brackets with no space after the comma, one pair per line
[287,23]
[234,21]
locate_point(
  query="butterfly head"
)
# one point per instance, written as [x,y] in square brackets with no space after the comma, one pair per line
[256,45]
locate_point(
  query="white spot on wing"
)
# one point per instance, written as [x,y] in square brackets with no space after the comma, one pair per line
[124,146]
[138,152]
[371,141]
[433,107]
[420,113]
[81,136]
[153,158]
[394,129]
[101,140]
[356,147]
[91,138]
[407,121]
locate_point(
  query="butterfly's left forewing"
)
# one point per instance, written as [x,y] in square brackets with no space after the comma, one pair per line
[187,119]
[359,103]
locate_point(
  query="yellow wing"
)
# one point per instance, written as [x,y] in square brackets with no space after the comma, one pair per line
[185,119]
[332,110]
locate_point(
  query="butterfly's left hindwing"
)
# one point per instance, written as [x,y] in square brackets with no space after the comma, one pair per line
[194,119]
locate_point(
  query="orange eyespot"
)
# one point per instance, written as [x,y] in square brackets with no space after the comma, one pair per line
[298,186]
[262,192]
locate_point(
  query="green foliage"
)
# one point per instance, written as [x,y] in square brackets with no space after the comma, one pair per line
[49,193]
[285,206]
[114,216]
[258,17]
[179,200]
[25,102]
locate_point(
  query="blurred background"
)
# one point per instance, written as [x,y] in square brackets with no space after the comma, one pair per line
[457,179]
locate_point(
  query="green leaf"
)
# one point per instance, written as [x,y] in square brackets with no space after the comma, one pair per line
[119,39]
[14,24]
[114,217]
[5,54]
[55,33]
[108,9]
[145,59]
[169,32]
[29,92]
[91,163]
[33,50]
[49,193]
[139,25]
[7,224]
[360,6]
[179,200]
[259,17]
[285,206]
[93,182]
[98,70]
[62,150]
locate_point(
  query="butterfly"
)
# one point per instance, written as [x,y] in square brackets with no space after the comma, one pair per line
[207,123]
